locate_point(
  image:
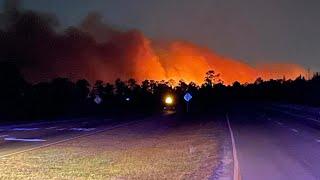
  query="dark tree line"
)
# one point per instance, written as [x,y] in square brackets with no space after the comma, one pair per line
[61,96]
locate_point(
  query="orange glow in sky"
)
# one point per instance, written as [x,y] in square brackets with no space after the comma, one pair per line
[133,55]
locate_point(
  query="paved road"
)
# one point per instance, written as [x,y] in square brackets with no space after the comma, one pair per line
[15,138]
[276,145]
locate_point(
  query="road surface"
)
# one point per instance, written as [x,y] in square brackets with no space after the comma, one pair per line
[18,138]
[274,143]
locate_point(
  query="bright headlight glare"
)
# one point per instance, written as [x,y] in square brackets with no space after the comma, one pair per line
[169,100]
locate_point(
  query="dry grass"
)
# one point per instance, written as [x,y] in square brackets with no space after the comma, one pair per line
[126,153]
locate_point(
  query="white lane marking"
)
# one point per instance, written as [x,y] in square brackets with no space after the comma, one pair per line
[45,122]
[82,129]
[295,115]
[279,123]
[51,127]
[294,130]
[3,136]
[69,139]
[318,140]
[236,168]
[25,129]
[24,140]
[61,129]
[312,119]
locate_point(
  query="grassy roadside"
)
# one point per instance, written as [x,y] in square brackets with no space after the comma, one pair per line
[138,152]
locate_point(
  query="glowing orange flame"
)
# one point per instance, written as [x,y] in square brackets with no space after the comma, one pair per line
[185,61]
[132,55]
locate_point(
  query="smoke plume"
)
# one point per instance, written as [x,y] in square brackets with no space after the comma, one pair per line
[95,50]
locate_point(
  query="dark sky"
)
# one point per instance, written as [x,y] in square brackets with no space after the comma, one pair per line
[251,30]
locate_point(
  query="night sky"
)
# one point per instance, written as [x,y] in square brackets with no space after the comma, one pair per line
[253,30]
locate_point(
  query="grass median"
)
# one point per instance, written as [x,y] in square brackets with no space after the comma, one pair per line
[126,153]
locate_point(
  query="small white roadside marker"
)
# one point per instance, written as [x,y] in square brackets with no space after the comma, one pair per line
[294,130]
[279,123]
[24,140]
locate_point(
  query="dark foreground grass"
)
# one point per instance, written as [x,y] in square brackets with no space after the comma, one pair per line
[142,151]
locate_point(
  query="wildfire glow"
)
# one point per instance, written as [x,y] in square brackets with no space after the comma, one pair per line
[132,55]
[185,61]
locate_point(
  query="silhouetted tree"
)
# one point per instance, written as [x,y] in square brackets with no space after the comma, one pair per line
[62,96]
[211,78]
[82,89]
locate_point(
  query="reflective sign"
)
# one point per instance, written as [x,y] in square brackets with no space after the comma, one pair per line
[187,97]
[98,100]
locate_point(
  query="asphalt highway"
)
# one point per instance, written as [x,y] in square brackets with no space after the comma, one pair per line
[275,143]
